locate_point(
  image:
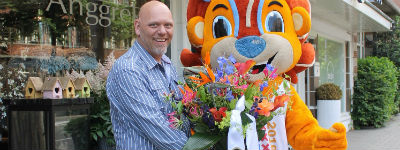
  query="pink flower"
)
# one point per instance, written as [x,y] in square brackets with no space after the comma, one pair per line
[193,112]
[188,95]
[273,74]
[243,87]
[174,122]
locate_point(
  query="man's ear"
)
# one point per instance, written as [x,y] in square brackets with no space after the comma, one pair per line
[301,20]
[195,30]
[136,23]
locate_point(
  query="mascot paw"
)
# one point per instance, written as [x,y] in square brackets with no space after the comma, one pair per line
[332,139]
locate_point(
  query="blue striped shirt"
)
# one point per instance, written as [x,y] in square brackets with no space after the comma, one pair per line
[135,88]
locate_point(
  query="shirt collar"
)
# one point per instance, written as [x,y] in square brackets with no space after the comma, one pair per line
[149,60]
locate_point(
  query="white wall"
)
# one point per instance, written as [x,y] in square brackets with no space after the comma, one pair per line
[180,39]
[324,29]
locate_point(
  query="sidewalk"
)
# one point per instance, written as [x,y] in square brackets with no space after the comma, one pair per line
[385,138]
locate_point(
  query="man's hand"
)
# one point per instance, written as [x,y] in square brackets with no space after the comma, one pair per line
[332,139]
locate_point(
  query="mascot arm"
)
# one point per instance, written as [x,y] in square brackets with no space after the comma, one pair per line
[304,133]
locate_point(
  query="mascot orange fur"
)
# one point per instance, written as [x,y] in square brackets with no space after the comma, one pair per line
[268,32]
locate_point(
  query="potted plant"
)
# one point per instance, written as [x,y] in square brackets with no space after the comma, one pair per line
[100,122]
[328,103]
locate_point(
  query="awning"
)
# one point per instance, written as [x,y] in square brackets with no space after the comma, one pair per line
[350,15]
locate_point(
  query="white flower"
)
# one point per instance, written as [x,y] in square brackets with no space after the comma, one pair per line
[10,82]
[1,66]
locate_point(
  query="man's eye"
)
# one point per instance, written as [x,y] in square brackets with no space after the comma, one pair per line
[153,25]
[168,26]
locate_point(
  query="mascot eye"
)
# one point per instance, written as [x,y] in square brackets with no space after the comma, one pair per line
[221,27]
[274,22]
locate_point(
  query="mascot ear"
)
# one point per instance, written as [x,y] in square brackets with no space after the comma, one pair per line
[195,29]
[301,20]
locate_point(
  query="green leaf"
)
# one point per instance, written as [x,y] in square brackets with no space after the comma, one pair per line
[100,134]
[248,104]
[180,107]
[94,136]
[232,104]
[195,69]
[245,119]
[260,134]
[221,85]
[201,141]
[202,94]
[201,128]
[173,104]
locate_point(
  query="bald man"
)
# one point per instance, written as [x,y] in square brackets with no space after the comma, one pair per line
[137,82]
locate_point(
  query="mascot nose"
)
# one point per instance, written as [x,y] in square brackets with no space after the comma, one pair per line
[250,46]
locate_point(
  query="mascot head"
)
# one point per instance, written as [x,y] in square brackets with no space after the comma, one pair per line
[266,31]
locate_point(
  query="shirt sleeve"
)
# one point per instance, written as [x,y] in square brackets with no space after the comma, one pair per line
[136,103]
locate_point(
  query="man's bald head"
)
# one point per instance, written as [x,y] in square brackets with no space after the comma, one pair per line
[147,7]
[154,28]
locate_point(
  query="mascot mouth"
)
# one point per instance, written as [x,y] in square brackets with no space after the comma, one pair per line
[260,67]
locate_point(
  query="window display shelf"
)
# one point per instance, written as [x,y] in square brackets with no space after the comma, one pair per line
[48,124]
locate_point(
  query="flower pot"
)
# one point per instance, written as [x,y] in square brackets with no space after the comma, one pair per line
[328,112]
[104,145]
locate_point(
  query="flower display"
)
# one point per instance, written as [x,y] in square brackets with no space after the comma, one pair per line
[211,96]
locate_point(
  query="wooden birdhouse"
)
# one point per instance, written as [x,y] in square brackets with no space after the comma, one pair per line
[68,87]
[82,87]
[33,88]
[52,88]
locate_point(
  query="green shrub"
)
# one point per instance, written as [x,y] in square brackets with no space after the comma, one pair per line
[374,92]
[329,91]
[387,44]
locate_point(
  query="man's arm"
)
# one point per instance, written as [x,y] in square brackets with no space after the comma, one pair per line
[136,103]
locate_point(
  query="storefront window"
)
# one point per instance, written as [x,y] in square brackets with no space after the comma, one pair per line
[331,56]
[58,38]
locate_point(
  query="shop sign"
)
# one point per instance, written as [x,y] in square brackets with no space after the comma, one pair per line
[103,19]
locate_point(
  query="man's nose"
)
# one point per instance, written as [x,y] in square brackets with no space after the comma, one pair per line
[162,30]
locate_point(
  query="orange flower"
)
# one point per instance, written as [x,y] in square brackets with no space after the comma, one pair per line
[204,79]
[264,108]
[210,73]
[187,89]
[218,114]
[280,101]
[192,131]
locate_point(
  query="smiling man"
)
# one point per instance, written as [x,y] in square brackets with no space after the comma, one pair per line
[137,82]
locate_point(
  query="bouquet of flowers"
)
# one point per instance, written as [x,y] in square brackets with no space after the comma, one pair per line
[222,104]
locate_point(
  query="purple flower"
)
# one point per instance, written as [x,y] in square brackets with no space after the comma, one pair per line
[221,61]
[229,69]
[229,95]
[270,67]
[262,86]
[208,119]
[256,115]
[220,75]
[232,59]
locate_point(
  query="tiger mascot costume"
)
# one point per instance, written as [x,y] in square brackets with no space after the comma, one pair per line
[268,32]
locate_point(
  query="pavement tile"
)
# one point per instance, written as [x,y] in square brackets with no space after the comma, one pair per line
[385,138]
